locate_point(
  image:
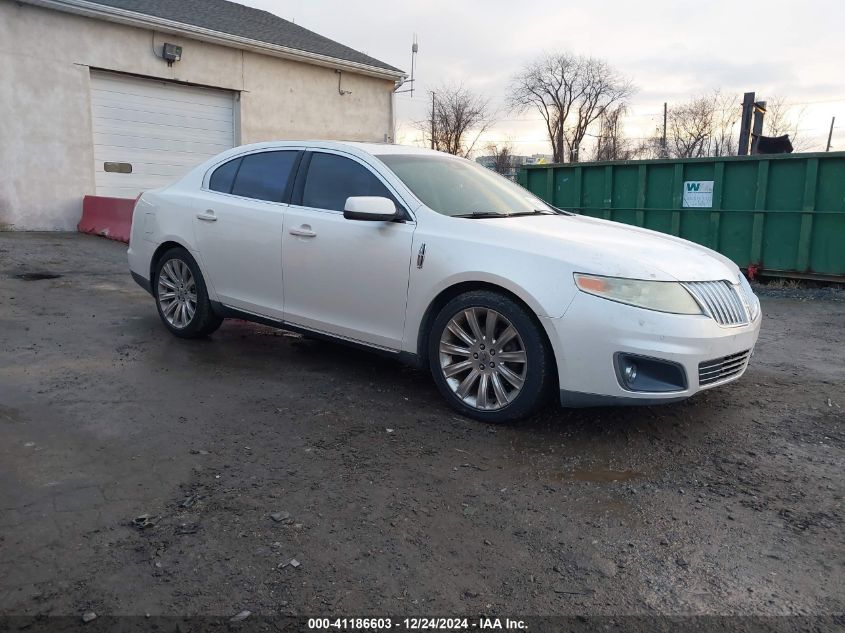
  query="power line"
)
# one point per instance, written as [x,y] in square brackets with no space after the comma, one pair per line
[733,108]
[540,120]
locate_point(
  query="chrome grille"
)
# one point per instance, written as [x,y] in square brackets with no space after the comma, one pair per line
[720,300]
[718,369]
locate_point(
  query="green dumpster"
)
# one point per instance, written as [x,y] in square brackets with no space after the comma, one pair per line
[779,215]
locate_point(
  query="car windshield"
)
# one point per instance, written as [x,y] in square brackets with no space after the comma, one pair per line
[461,188]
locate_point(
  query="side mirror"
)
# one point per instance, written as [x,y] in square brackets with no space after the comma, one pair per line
[369,208]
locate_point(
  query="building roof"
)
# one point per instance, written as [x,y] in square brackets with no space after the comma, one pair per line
[235,19]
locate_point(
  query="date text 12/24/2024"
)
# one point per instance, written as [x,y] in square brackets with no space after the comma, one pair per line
[415,624]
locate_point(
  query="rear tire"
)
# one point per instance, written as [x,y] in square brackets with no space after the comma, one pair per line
[181,296]
[490,358]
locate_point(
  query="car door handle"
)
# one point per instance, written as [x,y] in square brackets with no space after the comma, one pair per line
[207,216]
[303,231]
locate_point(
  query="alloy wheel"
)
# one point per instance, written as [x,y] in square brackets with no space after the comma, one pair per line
[483,358]
[177,293]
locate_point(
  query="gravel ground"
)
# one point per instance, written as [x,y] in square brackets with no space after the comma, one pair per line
[801,290]
[729,503]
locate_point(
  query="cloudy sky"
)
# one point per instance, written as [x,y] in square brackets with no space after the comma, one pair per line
[670,49]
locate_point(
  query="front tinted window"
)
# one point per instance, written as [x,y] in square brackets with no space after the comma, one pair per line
[264,176]
[223,177]
[453,186]
[332,179]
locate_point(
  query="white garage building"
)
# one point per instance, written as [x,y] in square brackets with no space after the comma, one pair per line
[90,104]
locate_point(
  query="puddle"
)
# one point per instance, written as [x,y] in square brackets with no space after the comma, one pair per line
[600,475]
[37,276]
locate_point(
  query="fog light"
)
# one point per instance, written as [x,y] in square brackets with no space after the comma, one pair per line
[646,374]
[630,372]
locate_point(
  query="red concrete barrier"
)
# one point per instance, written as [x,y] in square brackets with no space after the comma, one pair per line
[107,217]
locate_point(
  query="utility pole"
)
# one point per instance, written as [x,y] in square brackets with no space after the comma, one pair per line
[665,151]
[599,148]
[757,130]
[432,119]
[745,123]
[830,134]
[414,49]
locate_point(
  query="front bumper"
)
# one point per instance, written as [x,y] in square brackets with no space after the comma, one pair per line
[593,330]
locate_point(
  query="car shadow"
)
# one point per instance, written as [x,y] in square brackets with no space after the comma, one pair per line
[282,352]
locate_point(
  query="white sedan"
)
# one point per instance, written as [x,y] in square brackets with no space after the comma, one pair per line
[440,262]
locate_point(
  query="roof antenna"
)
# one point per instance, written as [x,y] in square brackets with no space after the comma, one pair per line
[414,48]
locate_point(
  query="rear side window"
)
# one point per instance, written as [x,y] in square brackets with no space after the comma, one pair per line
[332,179]
[224,176]
[263,176]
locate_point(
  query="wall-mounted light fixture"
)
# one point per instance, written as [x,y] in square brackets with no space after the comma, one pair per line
[171,53]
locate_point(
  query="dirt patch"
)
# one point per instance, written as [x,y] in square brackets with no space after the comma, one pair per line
[601,475]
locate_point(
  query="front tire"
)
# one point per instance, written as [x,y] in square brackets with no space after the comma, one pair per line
[181,296]
[489,357]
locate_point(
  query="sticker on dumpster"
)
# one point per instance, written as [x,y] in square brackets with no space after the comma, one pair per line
[698,193]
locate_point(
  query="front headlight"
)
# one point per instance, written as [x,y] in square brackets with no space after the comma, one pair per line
[751,300]
[663,296]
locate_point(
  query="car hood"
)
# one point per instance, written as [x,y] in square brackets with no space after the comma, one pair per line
[609,248]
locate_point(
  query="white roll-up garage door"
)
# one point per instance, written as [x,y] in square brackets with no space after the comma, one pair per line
[148,133]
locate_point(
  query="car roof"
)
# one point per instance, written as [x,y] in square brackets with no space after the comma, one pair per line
[374,149]
[391,148]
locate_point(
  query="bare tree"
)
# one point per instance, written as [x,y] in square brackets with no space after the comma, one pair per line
[611,143]
[782,119]
[706,125]
[571,92]
[456,120]
[689,128]
[777,120]
[503,159]
[727,115]
[650,147]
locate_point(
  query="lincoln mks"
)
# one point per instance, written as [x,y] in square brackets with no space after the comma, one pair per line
[439,262]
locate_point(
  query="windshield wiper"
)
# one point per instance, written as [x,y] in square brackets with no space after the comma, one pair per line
[493,214]
[516,214]
[481,214]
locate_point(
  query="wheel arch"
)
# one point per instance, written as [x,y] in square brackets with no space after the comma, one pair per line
[449,293]
[160,250]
